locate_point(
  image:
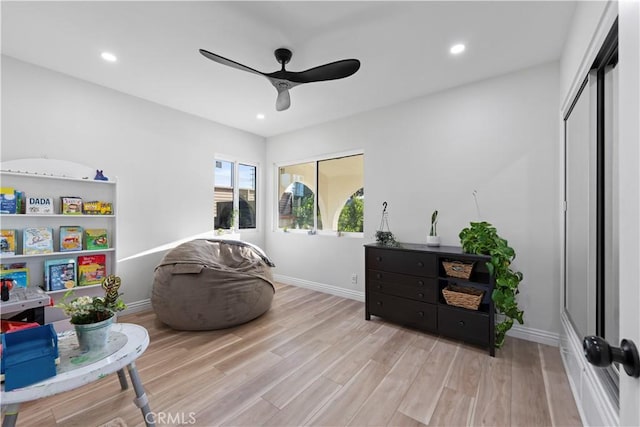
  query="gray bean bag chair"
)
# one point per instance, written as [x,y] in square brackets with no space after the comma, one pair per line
[212,284]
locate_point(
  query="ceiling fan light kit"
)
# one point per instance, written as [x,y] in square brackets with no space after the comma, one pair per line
[284,80]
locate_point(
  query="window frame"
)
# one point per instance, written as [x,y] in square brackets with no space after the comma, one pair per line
[236,190]
[315,160]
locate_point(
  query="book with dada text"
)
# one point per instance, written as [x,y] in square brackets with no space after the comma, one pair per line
[39,205]
[60,274]
[92,269]
[7,242]
[37,240]
[71,205]
[70,238]
[96,239]
[8,201]
[19,276]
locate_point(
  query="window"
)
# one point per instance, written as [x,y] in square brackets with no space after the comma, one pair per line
[324,195]
[234,205]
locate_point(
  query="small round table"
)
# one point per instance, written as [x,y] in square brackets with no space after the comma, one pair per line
[126,343]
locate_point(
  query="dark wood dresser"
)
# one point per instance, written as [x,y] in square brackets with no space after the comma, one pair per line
[404,285]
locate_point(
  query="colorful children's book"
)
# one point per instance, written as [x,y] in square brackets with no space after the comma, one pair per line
[70,238]
[60,274]
[8,201]
[37,240]
[97,208]
[20,276]
[71,205]
[39,205]
[96,239]
[8,242]
[91,269]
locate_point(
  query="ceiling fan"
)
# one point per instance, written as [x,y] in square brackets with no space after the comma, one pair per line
[284,80]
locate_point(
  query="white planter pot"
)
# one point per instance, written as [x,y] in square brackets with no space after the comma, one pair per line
[433,240]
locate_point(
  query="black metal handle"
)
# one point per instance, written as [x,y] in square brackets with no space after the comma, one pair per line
[378,286]
[378,258]
[599,353]
[420,264]
[420,283]
[420,295]
[461,323]
[378,276]
[421,313]
[379,303]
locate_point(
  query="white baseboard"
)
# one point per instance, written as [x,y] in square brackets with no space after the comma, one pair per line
[534,335]
[137,306]
[320,287]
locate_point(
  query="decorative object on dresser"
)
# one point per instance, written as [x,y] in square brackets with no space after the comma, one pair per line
[433,239]
[482,238]
[384,236]
[406,284]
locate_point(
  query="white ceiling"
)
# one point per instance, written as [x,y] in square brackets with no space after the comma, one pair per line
[403,48]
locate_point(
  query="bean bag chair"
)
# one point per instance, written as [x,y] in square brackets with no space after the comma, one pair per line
[212,284]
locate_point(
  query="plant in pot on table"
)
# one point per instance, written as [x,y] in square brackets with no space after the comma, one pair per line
[433,239]
[482,238]
[92,317]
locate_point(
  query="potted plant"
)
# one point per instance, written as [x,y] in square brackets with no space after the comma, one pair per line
[92,317]
[482,238]
[433,239]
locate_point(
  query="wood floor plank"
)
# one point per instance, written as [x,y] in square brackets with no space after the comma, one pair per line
[467,369]
[422,397]
[530,407]
[401,420]
[348,400]
[254,416]
[382,404]
[562,406]
[453,409]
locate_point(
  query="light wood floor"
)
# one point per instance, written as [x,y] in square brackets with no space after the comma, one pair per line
[314,360]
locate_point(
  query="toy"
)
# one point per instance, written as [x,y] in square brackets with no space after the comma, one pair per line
[100,177]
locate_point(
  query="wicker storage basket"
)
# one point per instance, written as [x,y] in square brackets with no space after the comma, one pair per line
[459,269]
[463,297]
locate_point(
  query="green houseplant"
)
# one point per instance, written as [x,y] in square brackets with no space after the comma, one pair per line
[482,238]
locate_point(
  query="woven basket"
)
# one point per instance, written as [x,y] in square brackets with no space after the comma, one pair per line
[463,297]
[459,269]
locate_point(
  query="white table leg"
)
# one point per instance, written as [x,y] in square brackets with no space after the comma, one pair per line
[10,415]
[141,399]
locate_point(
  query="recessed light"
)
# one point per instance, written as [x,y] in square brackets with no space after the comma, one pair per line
[260,116]
[457,48]
[109,57]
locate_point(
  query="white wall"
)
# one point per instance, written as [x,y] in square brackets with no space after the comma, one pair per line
[162,158]
[499,137]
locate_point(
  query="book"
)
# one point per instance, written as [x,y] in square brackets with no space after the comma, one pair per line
[92,269]
[7,242]
[19,276]
[60,274]
[37,240]
[97,208]
[8,202]
[96,239]
[71,205]
[39,205]
[21,204]
[13,265]
[70,238]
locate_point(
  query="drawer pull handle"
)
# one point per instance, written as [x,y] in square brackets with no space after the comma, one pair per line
[378,286]
[461,323]
[420,283]
[421,313]
[378,258]
[420,295]
[379,276]
[379,303]
[420,264]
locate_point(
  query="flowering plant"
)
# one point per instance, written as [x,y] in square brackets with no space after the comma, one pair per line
[85,309]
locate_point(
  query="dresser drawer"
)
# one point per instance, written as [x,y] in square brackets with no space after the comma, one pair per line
[416,314]
[466,325]
[402,285]
[398,261]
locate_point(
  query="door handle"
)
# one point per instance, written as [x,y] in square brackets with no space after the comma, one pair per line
[599,353]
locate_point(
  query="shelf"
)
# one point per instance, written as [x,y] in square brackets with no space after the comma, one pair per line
[52,254]
[62,178]
[463,282]
[61,291]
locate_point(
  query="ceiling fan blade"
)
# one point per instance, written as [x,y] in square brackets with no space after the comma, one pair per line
[224,61]
[284,100]
[331,71]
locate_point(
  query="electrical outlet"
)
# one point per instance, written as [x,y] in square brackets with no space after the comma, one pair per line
[354,278]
